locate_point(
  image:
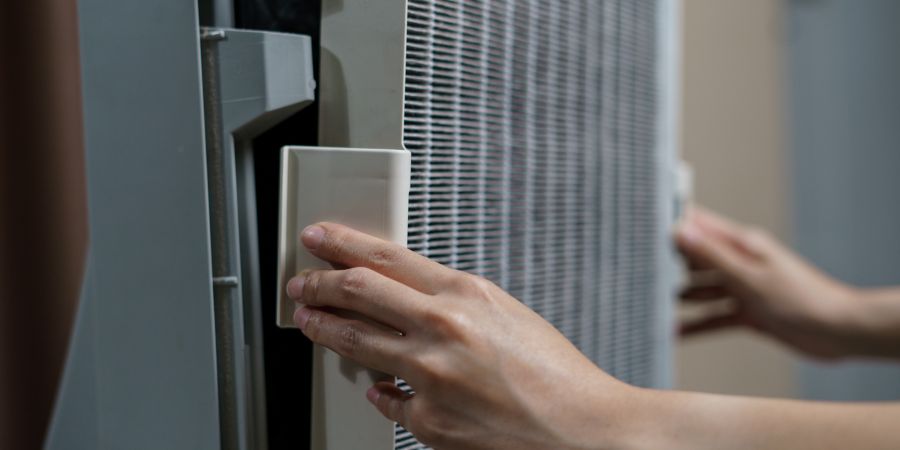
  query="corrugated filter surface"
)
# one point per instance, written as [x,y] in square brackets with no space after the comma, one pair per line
[532,127]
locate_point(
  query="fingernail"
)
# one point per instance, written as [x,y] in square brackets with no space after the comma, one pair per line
[301,316]
[372,394]
[312,236]
[295,287]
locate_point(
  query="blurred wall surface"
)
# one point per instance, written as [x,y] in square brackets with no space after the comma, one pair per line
[733,137]
[845,102]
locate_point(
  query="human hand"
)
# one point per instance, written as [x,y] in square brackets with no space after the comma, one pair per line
[770,288]
[488,372]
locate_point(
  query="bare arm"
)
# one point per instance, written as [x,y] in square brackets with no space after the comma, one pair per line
[684,420]
[873,325]
[491,374]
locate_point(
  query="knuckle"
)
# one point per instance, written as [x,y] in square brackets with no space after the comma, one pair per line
[756,240]
[447,323]
[311,287]
[479,282]
[385,256]
[349,339]
[354,280]
[313,328]
[435,318]
[755,235]
[472,285]
[439,374]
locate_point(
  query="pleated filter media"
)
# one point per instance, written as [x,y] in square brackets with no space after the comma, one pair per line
[533,127]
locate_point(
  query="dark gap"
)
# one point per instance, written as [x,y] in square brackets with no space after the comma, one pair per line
[287,353]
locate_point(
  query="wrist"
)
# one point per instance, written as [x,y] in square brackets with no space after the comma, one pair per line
[838,319]
[676,420]
[639,420]
[609,415]
[870,325]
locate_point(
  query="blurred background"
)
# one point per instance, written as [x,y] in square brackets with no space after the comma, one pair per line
[790,116]
[791,121]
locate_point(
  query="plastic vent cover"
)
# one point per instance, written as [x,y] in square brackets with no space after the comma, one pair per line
[532,127]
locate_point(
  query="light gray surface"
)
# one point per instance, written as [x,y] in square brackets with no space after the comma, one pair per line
[360,106]
[361,74]
[673,183]
[76,423]
[142,372]
[844,75]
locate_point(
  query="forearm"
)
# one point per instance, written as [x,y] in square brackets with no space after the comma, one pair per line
[871,324]
[684,420]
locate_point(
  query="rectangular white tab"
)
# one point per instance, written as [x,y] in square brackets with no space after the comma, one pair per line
[366,189]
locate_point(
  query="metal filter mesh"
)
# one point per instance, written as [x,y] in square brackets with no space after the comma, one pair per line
[532,127]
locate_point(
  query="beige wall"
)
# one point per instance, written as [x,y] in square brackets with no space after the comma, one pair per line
[733,137]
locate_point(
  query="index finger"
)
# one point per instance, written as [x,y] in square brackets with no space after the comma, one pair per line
[746,239]
[345,246]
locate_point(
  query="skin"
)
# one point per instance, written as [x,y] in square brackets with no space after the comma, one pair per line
[773,291]
[491,374]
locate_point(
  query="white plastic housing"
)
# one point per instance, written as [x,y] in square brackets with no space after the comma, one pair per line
[366,189]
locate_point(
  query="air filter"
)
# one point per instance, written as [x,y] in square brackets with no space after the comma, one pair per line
[537,160]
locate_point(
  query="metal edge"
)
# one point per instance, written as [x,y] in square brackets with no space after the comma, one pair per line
[668,40]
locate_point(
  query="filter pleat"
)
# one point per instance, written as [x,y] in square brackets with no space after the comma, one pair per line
[532,125]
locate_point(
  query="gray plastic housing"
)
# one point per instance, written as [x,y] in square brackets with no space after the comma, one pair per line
[166,350]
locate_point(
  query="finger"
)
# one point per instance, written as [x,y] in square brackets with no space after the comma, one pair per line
[714,252]
[390,401]
[694,264]
[704,278]
[354,339]
[705,293]
[714,223]
[362,290]
[345,246]
[751,241]
[708,324]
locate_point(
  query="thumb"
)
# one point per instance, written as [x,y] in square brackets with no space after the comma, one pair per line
[390,401]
